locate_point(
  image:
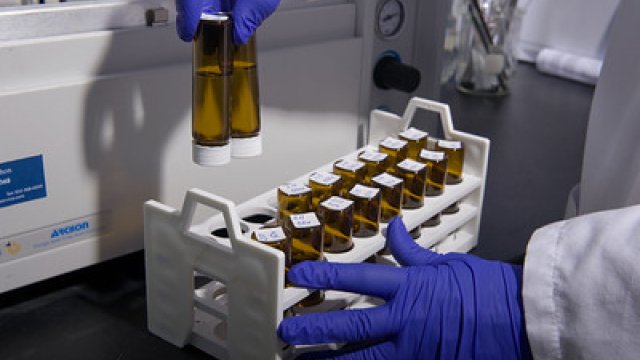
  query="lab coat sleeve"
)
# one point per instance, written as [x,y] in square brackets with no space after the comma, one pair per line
[581,288]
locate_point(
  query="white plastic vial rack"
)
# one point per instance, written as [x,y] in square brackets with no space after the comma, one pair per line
[210,285]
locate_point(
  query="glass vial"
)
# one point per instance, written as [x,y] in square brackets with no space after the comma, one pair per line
[433,221]
[211,90]
[375,163]
[274,236]
[352,172]
[293,199]
[245,105]
[455,153]
[391,189]
[366,210]
[306,235]
[414,175]
[436,162]
[416,141]
[336,216]
[323,186]
[396,149]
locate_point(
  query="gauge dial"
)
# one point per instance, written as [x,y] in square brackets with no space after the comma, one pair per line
[390,18]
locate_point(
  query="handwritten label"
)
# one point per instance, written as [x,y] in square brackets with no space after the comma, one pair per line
[304,220]
[324,178]
[447,144]
[292,189]
[411,165]
[365,192]
[414,134]
[387,180]
[270,235]
[373,156]
[393,143]
[432,155]
[350,165]
[336,203]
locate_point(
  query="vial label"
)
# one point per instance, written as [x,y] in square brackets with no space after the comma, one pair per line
[414,134]
[455,145]
[411,165]
[270,235]
[336,203]
[393,143]
[387,180]
[350,165]
[364,191]
[432,155]
[324,178]
[374,156]
[292,189]
[305,220]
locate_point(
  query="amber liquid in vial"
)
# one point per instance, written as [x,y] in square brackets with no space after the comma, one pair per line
[306,235]
[375,163]
[245,107]
[366,210]
[352,172]
[293,199]
[323,186]
[396,149]
[212,71]
[455,153]
[336,216]
[274,236]
[391,193]
[436,162]
[414,175]
[416,141]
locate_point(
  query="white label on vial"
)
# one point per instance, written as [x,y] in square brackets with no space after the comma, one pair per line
[411,165]
[392,143]
[324,178]
[270,235]
[414,134]
[374,156]
[364,191]
[387,180]
[447,144]
[350,165]
[336,203]
[304,220]
[292,189]
[432,155]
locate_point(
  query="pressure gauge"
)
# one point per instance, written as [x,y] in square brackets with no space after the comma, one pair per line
[390,18]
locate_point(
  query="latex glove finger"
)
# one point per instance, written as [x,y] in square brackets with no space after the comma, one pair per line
[189,12]
[248,15]
[407,251]
[385,350]
[369,279]
[338,326]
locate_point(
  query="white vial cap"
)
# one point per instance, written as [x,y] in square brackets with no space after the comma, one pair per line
[246,147]
[211,155]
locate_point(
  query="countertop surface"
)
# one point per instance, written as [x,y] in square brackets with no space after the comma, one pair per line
[537,136]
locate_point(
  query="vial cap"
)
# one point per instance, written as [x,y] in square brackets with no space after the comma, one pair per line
[211,155]
[246,147]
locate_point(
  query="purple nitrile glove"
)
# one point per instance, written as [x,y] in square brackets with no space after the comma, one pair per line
[247,15]
[453,306]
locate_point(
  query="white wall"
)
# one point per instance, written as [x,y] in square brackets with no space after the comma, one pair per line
[575,26]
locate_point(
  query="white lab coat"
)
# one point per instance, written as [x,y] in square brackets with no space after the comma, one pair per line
[581,288]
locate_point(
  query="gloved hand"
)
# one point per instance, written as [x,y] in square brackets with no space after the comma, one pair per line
[247,15]
[453,306]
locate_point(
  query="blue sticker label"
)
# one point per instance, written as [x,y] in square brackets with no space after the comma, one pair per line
[22,180]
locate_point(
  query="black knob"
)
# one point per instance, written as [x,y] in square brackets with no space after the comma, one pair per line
[390,73]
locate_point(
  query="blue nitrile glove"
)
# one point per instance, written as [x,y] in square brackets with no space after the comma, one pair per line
[453,306]
[247,15]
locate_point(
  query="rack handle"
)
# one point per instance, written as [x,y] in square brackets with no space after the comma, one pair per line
[227,207]
[441,108]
